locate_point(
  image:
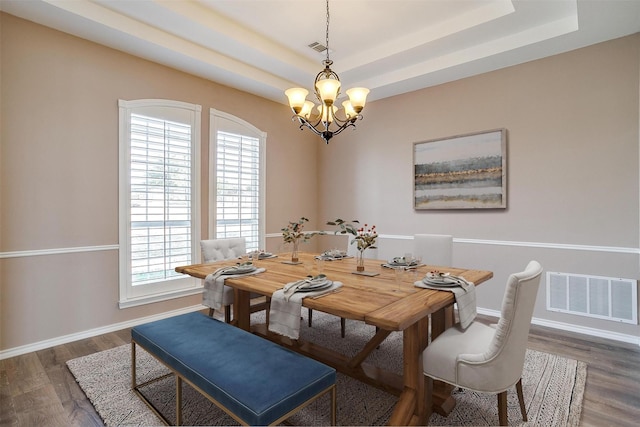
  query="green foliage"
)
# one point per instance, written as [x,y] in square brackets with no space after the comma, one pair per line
[365,237]
[294,231]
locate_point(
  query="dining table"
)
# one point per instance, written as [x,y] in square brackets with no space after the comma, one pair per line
[377,296]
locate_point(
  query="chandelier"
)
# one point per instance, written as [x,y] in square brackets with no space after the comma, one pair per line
[328,120]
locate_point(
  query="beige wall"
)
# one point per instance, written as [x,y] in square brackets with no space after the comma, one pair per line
[59,173]
[573,184]
[573,171]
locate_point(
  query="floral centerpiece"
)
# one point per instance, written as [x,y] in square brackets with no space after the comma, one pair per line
[293,233]
[364,237]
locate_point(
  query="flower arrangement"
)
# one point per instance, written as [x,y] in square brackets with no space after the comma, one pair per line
[293,233]
[365,237]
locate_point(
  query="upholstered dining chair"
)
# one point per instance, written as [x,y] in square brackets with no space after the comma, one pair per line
[485,358]
[434,249]
[223,249]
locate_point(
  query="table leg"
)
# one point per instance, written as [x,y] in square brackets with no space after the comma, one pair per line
[242,309]
[411,408]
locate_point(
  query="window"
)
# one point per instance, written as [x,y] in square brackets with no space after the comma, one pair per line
[236,180]
[159,193]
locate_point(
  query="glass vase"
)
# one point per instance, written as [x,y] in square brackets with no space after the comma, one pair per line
[360,261]
[294,251]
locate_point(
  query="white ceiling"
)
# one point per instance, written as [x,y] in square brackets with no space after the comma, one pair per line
[389,46]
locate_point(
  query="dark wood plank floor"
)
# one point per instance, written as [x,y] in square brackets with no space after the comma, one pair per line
[37,389]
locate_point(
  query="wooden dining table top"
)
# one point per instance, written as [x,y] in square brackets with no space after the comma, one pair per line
[377,300]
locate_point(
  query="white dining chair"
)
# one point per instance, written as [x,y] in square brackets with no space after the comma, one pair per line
[223,249]
[434,249]
[485,358]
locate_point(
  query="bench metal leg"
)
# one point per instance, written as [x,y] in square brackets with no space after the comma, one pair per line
[333,405]
[178,400]
[133,366]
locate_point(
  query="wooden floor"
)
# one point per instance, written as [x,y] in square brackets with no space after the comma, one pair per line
[37,389]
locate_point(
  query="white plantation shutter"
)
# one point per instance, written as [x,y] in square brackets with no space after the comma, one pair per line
[237,162]
[160,198]
[238,190]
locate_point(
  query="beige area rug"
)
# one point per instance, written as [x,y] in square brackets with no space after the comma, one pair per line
[553,387]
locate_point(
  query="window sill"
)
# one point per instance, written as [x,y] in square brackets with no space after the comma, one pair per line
[150,299]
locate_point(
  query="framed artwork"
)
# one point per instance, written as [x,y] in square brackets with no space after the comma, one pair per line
[461,172]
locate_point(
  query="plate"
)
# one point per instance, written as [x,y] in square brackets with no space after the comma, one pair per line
[265,255]
[440,283]
[240,269]
[333,255]
[444,282]
[400,262]
[316,287]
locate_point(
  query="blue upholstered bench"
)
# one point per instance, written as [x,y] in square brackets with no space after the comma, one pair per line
[254,380]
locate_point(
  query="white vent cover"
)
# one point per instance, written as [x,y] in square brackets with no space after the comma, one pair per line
[318,47]
[593,296]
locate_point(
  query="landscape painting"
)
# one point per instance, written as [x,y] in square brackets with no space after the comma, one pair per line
[461,172]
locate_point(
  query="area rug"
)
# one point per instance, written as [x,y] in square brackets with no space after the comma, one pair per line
[553,387]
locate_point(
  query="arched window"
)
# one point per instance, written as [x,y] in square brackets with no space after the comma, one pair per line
[236,179]
[159,195]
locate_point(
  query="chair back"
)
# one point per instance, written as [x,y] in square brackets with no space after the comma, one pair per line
[221,249]
[435,249]
[503,360]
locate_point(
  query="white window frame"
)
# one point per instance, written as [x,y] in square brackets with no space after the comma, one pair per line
[221,121]
[180,286]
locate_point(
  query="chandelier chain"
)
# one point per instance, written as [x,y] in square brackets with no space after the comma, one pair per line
[327,32]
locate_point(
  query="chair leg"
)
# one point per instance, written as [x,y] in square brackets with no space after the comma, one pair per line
[521,399]
[227,314]
[211,312]
[310,311]
[502,408]
[343,322]
[268,309]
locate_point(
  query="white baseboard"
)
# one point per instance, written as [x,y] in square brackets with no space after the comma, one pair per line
[17,351]
[593,332]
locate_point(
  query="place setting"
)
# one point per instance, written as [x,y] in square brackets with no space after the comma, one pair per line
[407,262]
[463,290]
[286,303]
[260,255]
[333,255]
[215,281]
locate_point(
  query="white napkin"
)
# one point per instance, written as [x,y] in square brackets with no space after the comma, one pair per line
[214,282]
[465,298]
[284,316]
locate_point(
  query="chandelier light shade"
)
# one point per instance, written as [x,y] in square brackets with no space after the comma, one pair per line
[329,119]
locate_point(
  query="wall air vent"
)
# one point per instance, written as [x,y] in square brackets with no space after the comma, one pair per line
[593,296]
[318,47]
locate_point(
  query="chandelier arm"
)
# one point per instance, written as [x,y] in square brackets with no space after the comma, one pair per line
[305,123]
[343,127]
